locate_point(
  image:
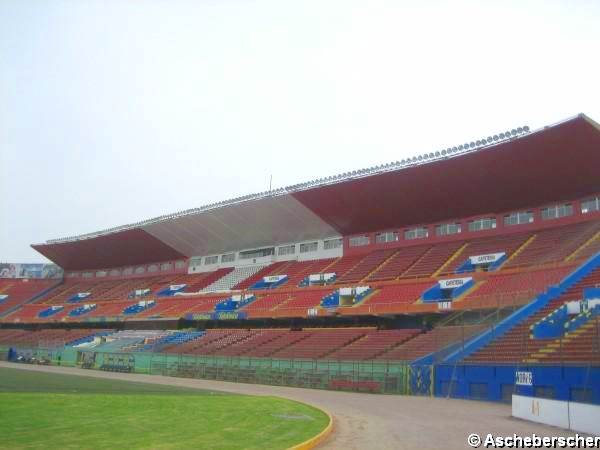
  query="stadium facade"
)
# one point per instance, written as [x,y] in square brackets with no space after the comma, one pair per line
[481,260]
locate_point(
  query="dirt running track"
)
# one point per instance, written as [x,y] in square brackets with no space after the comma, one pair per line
[368,421]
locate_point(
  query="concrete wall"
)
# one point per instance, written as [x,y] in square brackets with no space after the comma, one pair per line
[580,417]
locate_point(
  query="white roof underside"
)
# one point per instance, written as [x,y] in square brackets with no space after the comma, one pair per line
[264,222]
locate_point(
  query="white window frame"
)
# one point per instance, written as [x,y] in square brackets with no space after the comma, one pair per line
[386,236]
[519,218]
[331,244]
[228,257]
[590,205]
[557,211]
[448,229]
[412,234]
[210,260]
[309,247]
[286,250]
[359,241]
[482,224]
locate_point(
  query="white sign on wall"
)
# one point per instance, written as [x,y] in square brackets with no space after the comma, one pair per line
[524,378]
[453,283]
[486,259]
[312,312]
[273,278]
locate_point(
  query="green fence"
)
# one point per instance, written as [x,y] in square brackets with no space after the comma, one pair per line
[359,376]
[356,376]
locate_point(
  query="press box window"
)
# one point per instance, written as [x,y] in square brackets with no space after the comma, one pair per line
[332,243]
[390,236]
[309,247]
[416,233]
[260,253]
[228,258]
[590,205]
[286,250]
[518,218]
[556,212]
[358,241]
[482,224]
[211,260]
[447,229]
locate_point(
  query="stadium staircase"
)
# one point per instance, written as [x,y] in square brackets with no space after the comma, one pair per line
[196,283]
[555,244]
[520,249]
[452,258]
[398,263]
[234,279]
[366,265]
[344,265]
[256,276]
[573,345]
[384,263]
[592,244]
[432,260]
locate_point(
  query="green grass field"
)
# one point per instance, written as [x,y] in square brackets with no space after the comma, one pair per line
[51,411]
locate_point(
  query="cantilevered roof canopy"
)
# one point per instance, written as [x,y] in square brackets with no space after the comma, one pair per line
[271,220]
[556,163]
[128,247]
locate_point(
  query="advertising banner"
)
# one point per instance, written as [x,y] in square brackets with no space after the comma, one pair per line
[9,270]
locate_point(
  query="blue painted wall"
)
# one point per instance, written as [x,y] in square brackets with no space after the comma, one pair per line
[497,383]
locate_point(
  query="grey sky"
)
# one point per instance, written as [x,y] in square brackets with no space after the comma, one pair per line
[117,111]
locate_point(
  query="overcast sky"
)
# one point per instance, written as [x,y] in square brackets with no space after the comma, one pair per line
[116,111]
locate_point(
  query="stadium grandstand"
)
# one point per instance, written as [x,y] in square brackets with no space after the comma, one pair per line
[481,260]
